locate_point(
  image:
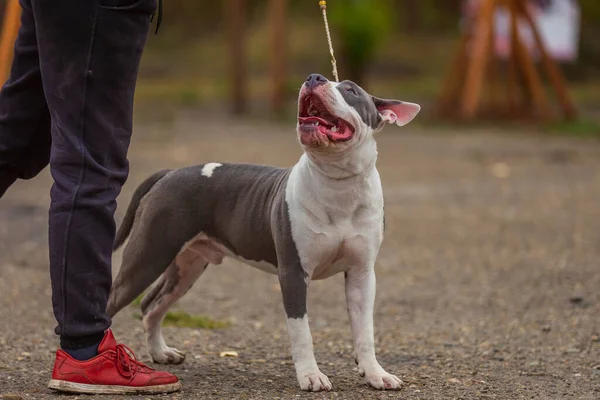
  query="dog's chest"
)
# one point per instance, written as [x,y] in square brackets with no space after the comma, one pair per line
[335,224]
[341,252]
[332,239]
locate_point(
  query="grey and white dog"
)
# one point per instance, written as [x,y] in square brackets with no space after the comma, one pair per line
[318,218]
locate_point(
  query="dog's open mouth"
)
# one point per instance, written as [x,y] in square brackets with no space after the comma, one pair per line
[313,117]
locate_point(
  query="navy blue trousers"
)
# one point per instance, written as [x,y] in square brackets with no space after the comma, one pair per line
[69,103]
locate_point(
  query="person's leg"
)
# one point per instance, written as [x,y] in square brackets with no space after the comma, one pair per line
[24,117]
[86,69]
[89,57]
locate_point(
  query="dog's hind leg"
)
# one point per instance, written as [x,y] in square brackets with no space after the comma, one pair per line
[149,252]
[172,285]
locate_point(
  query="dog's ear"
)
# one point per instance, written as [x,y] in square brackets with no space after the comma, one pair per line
[395,111]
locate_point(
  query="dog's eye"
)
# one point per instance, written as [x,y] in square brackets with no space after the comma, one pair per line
[351,91]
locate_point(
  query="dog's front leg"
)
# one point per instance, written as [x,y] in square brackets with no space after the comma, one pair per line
[293,281]
[360,299]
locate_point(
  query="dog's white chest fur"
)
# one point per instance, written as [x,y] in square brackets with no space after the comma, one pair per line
[336,224]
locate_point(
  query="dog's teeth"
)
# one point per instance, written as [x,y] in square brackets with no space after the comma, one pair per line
[317,123]
[334,129]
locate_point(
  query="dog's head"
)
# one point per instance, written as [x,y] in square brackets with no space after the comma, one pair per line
[335,115]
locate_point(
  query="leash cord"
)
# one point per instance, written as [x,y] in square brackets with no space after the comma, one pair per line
[323,5]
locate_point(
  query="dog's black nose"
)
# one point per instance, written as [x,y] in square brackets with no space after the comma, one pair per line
[315,80]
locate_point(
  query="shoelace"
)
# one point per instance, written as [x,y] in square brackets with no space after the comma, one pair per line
[127,363]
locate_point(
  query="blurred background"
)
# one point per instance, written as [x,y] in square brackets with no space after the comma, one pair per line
[395,48]
[487,280]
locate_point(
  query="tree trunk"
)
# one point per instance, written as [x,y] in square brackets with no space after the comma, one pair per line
[412,15]
[235,13]
[277,53]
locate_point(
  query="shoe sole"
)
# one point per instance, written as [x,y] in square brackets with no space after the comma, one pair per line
[85,388]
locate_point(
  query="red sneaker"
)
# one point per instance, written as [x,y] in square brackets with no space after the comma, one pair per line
[114,370]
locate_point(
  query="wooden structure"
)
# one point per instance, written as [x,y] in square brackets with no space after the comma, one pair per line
[525,96]
[10,28]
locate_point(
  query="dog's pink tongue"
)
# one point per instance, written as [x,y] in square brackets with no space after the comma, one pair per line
[340,135]
[323,129]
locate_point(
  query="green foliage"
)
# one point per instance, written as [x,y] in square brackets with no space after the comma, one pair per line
[360,25]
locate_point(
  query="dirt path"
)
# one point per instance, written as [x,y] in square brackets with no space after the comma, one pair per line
[487,286]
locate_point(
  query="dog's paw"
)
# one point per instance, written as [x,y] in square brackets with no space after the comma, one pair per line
[167,355]
[314,382]
[383,381]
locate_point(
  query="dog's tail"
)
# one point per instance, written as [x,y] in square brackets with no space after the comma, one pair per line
[138,195]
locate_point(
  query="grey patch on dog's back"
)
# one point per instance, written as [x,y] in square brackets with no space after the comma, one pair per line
[232,206]
[362,102]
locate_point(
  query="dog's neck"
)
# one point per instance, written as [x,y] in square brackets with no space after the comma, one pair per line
[359,159]
[333,185]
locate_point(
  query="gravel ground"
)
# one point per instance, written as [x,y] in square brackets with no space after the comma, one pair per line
[487,279]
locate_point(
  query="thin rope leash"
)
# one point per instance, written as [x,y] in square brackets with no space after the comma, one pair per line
[323,5]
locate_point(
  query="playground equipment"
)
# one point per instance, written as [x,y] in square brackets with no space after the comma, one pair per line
[474,66]
[462,94]
[10,28]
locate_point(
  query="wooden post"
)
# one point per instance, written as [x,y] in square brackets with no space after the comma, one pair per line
[479,53]
[277,24]
[455,78]
[512,86]
[492,67]
[10,28]
[412,16]
[550,66]
[235,13]
[532,79]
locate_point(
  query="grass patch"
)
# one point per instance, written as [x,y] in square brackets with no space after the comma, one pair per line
[582,128]
[184,320]
[138,300]
[181,319]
